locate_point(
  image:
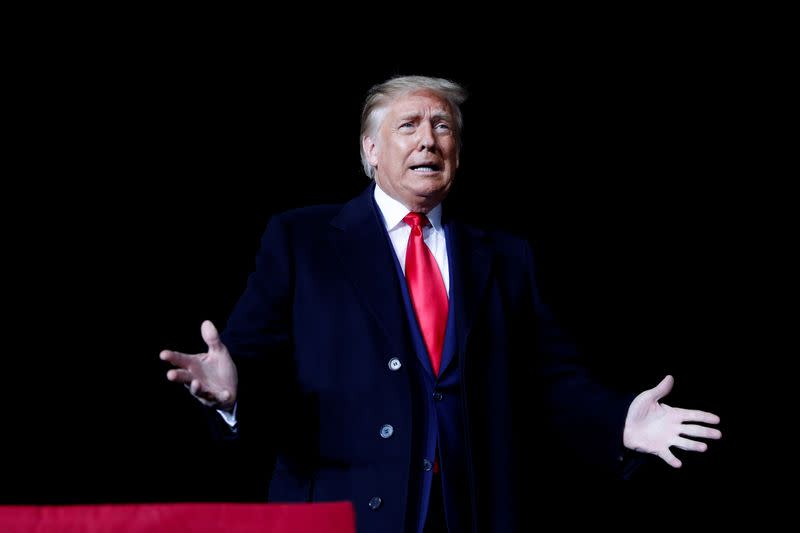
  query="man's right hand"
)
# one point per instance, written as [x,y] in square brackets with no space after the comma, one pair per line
[211,377]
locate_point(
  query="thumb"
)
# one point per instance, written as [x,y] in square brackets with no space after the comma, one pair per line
[663,388]
[210,335]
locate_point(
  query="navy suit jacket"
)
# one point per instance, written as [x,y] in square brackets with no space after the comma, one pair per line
[317,325]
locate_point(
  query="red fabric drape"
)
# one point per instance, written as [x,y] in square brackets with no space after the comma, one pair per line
[335,517]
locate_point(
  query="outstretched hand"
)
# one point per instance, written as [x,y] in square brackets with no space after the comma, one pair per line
[211,377]
[652,426]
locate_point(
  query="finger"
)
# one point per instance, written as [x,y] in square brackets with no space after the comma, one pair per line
[670,458]
[198,397]
[180,375]
[663,388]
[693,430]
[206,396]
[690,445]
[197,389]
[693,415]
[210,335]
[178,359]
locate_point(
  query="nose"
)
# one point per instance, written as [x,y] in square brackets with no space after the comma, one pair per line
[427,140]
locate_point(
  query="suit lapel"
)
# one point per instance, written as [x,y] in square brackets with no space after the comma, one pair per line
[359,238]
[470,273]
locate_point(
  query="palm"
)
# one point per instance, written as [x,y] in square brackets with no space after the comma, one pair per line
[653,427]
[214,370]
[211,376]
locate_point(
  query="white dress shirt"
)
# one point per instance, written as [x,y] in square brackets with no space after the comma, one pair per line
[393,212]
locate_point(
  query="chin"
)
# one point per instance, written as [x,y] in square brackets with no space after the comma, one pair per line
[431,197]
[432,184]
[428,189]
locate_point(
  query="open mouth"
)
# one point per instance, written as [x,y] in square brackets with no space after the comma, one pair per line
[426,168]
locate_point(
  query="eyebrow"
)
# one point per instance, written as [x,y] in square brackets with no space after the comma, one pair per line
[442,115]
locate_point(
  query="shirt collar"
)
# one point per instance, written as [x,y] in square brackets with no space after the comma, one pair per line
[393,211]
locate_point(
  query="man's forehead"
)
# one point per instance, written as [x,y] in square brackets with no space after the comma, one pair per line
[419,101]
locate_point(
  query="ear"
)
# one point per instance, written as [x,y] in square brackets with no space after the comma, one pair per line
[371,150]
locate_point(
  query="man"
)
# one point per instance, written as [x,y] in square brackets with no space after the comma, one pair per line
[392,350]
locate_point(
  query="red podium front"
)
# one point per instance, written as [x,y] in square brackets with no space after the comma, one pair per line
[335,517]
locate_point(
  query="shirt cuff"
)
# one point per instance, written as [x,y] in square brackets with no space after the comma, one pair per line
[230,417]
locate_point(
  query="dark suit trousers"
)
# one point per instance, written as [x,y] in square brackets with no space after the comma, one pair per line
[435,521]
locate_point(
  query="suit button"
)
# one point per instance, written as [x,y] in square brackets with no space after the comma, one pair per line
[427,465]
[395,364]
[437,396]
[386,431]
[375,502]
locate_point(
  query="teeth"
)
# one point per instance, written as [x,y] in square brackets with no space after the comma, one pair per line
[425,169]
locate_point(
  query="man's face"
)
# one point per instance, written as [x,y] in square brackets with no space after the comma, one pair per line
[415,154]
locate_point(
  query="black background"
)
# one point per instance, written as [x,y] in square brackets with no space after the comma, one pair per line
[153,170]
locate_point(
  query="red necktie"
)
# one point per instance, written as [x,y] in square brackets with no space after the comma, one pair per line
[426,286]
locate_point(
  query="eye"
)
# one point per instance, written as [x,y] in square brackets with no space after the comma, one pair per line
[443,126]
[407,125]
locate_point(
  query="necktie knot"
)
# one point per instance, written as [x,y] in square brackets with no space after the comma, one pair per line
[416,220]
